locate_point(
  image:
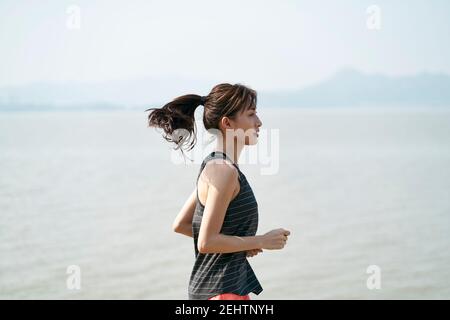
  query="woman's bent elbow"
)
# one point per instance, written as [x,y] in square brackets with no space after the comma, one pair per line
[202,247]
[176,227]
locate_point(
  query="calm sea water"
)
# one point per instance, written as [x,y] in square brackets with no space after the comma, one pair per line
[100,190]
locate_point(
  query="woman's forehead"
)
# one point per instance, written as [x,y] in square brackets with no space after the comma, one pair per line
[250,108]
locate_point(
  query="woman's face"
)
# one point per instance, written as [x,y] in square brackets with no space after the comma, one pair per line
[249,123]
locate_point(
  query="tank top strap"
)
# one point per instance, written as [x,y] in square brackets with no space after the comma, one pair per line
[224,156]
[217,155]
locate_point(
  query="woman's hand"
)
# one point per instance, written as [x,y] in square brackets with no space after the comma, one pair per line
[275,239]
[253,252]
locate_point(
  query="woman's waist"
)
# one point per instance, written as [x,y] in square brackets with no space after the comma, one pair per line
[216,263]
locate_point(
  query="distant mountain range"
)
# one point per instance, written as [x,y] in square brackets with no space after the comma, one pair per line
[352,88]
[346,88]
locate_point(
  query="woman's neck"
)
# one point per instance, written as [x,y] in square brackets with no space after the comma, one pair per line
[233,150]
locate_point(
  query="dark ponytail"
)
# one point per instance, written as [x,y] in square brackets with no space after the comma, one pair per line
[177,114]
[224,100]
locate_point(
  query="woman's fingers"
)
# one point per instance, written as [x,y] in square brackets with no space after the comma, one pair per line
[253,252]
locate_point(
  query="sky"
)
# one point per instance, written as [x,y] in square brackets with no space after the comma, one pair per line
[270,45]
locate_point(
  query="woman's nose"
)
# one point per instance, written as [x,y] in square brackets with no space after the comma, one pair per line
[259,123]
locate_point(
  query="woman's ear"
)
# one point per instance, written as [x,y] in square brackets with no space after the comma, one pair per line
[225,123]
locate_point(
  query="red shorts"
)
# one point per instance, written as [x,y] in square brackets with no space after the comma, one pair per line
[230,296]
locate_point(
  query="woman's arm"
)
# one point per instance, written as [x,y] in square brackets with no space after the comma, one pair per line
[222,179]
[183,221]
[222,182]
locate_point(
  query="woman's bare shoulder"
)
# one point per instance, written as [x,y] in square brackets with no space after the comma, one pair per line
[220,172]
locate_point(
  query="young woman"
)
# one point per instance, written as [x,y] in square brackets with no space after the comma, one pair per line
[222,213]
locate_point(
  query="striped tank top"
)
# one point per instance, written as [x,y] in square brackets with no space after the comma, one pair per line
[217,273]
